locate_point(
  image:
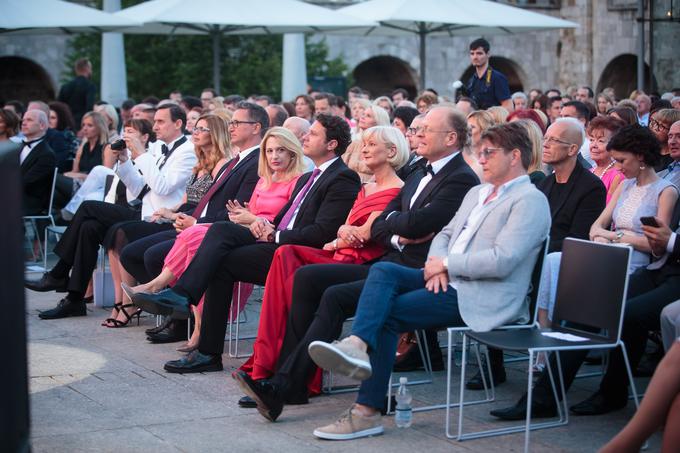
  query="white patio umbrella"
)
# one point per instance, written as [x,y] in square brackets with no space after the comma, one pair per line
[449,18]
[56,17]
[219,17]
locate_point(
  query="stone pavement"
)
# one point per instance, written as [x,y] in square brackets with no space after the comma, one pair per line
[95,389]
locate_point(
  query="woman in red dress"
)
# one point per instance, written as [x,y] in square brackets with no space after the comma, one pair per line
[384,150]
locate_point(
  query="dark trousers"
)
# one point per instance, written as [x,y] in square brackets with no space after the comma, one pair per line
[648,293]
[144,258]
[79,244]
[324,296]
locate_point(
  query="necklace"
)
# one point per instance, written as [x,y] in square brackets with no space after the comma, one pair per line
[606,169]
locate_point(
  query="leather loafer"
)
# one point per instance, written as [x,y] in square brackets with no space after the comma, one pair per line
[157,329]
[174,331]
[265,393]
[166,302]
[64,309]
[476,383]
[598,404]
[195,362]
[247,402]
[539,409]
[47,283]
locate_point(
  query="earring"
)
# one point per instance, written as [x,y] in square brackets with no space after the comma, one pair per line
[642,167]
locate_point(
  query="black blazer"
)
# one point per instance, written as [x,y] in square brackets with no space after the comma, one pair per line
[237,185]
[37,172]
[411,166]
[581,203]
[324,208]
[433,209]
[79,94]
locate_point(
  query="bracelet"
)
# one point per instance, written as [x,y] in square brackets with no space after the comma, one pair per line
[335,244]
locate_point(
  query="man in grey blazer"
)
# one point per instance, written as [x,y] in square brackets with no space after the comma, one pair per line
[477,274]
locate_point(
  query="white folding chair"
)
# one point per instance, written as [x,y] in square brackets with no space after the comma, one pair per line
[32,219]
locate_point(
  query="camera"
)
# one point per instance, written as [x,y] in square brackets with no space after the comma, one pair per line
[118,145]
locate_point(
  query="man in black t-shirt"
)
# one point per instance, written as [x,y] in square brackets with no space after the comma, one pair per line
[487,87]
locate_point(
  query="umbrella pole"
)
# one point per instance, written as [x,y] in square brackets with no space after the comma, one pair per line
[216,59]
[422,35]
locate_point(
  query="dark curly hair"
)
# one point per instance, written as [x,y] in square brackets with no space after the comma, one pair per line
[637,140]
[336,129]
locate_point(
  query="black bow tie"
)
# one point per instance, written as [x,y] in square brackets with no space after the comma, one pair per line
[165,150]
[428,169]
[30,142]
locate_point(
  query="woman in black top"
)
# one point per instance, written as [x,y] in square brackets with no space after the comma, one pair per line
[90,153]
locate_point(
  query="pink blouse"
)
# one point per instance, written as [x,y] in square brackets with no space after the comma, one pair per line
[266,202]
[608,178]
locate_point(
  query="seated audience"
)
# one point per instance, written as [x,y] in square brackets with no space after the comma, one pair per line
[604,103]
[384,150]
[112,120]
[371,116]
[61,143]
[477,274]
[415,162]
[535,134]
[425,101]
[670,324]
[625,114]
[600,131]
[157,179]
[403,116]
[304,107]
[9,124]
[386,104]
[672,171]
[660,123]
[61,120]
[478,122]
[37,161]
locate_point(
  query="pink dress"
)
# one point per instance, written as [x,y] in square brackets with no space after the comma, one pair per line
[608,178]
[264,202]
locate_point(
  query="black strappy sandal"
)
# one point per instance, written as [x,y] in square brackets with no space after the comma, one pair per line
[116,324]
[116,306]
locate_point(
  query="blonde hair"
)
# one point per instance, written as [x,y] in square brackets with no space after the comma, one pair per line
[109,112]
[667,116]
[380,99]
[287,140]
[99,121]
[223,113]
[543,116]
[391,137]
[484,119]
[536,138]
[382,118]
[220,140]
[500,114]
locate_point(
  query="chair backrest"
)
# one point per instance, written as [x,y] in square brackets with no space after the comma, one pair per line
[536,281]
[54,185]
[591,288]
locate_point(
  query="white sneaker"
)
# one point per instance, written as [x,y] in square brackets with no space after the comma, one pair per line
[341,357]
[351,425]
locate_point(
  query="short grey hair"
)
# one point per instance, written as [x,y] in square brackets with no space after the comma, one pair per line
[518,95]
[390,136]
[40,116]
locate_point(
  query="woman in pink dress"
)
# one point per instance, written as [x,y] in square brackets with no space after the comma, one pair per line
[600,130]
[384,151]
[281,164]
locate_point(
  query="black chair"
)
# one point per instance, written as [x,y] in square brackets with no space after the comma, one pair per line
[591,293]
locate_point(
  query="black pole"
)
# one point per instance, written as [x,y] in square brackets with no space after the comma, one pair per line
[14,415]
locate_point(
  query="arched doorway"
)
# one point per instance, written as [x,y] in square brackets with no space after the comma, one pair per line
[509,68]
[621,74]
[380,75]
[24,80]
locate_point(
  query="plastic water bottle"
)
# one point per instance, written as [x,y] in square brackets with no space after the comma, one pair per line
[404,414]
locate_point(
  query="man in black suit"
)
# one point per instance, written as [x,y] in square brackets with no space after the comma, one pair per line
[230,253]
[37,163]
[650,289]
[415,162]
[143,259]
[325,295]
[63,148]
[79,93]
[576,198]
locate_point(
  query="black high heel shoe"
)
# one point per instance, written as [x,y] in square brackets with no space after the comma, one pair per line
[116,324]
[116,306]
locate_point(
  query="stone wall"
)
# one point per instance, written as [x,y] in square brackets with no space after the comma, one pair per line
[47,51]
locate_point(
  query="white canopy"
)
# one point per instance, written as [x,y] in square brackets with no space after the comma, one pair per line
[56,16]
[218,17]
[449,18]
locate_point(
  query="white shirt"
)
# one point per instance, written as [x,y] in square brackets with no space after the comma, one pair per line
[26,150]
[436,167]
[242,155]
[323,167]
[644,119]
[460,244]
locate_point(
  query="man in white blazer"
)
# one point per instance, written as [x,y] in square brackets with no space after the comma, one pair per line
[477,274]
[157,179]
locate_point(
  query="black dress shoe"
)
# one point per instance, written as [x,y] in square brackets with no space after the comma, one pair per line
[264,392]
[166,302]
[598,404]
[539,409]
[47,283]
[174,331]
[247,402]
[157,329]
[64,309]
[475,383]
[195,362]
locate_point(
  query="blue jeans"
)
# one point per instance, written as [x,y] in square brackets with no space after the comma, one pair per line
[394,300]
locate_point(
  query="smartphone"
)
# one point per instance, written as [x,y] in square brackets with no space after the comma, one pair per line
[649,221]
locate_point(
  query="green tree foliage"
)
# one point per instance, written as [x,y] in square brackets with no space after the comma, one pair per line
[156,65]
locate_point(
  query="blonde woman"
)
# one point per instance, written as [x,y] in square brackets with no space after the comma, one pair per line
[372,116]
[534,171]
[90,153]
[500,114]
[384,150]
[212,146]
[478,121]
[112,121]
[279,167]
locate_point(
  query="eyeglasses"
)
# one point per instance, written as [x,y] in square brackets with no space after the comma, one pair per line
[552,140]
[237,123]
[486,153]
[658,125]
[412,130]
[200,130]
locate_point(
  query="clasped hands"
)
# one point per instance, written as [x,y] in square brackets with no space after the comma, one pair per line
[240,214]
[436,276]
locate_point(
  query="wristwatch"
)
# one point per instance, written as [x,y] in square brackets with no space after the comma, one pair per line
[619,235]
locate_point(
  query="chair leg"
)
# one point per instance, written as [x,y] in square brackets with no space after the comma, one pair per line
[630,375]
[530,381]
[562,408]
[461,395]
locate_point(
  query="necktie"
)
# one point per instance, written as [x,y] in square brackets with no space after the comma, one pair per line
[285,220]
[205,199]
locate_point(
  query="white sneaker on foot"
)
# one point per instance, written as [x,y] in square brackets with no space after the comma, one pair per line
[341,357]
[351,425]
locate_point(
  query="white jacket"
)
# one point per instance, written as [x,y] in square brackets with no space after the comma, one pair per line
[168,184]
